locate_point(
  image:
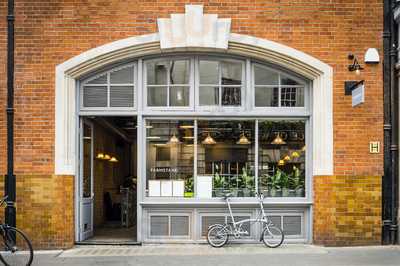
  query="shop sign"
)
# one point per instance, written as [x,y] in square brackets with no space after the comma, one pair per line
[358,95]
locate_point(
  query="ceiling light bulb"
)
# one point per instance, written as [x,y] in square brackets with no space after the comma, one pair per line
[100,156]
[358,72]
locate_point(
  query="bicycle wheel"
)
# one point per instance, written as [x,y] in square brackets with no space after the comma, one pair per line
[15,247]
[217,235]
[272,236]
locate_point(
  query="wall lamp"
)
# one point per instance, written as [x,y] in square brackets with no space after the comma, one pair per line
[355,66]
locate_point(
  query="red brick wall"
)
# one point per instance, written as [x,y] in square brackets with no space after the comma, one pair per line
[50,32]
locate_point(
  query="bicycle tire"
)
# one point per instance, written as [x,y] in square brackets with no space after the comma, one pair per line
[272,236]
[210,240]
[15,254]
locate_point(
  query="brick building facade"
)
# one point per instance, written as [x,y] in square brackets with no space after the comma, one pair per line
[345,204]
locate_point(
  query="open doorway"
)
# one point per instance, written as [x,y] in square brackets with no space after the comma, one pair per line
[108,180]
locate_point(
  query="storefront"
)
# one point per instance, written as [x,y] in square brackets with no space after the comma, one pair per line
[206,124]
[152,123]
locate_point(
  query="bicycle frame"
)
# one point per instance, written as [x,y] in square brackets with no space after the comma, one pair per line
[237,225]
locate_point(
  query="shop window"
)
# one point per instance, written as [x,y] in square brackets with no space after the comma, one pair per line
[225,152]
[281,158]
[220,83]
[112,89]
[168,83]
[273,89]
[170,158]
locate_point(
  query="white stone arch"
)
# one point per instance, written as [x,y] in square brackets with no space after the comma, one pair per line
[70,71]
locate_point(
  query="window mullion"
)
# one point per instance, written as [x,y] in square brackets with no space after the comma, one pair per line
[168,84]
[108,89]
[219,84]
[256,156]
[279,90]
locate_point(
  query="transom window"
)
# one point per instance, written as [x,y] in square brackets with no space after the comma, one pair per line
[220,82]
[275,89]
[111,89]
[168,82]
[196,83]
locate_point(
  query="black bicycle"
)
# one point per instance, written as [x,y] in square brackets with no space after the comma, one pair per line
[15,249]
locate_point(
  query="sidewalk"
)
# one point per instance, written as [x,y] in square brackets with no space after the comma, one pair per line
[202,255]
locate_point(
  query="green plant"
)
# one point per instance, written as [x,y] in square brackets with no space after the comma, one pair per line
[189,184]
[274,181]
[297,180]
[218,181]
[284,180]
[247,179]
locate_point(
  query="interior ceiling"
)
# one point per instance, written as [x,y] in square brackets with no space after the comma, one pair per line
[125,124]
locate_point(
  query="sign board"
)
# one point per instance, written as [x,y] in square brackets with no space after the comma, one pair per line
[204,187]
[358,95]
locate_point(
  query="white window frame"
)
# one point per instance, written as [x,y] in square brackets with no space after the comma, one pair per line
[190,107]
[220,107]
[83,83]
[279,108]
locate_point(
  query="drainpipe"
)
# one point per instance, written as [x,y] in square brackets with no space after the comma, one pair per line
[9,186]
[389,182]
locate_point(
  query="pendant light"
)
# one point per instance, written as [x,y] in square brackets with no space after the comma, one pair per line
[286,158]
[243,140]
[278,140]
[281,162]
[295,154]
[113,160]
[100,156]
[208,140]
[173,140]
[107,157]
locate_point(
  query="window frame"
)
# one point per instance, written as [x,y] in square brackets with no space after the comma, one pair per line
[83,83]
[195,119]
[190,107]
[303,84]
[220,107]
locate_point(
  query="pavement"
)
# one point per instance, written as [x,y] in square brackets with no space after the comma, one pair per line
[232,255]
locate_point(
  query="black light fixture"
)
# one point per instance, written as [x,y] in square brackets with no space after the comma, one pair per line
[355,66]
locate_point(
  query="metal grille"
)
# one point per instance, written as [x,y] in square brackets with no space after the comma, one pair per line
[95,96]
[179,225]
[121,96]
[206,221]
[159,225]
[292,225]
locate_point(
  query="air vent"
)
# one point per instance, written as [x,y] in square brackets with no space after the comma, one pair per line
[94,96]
[292,225]
[206,221]
[179,225]
[169,226]
[159,225]
[121,96]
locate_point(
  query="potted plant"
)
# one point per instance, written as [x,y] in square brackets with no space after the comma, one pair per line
[218,184]
[275,184]
[298,183]
[189,188]
[248,182]
[284,183]
[233,185]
